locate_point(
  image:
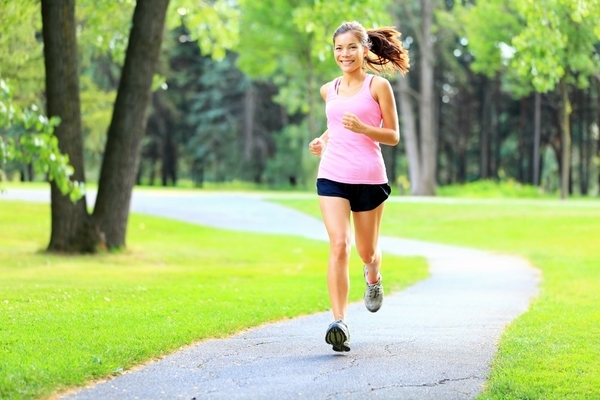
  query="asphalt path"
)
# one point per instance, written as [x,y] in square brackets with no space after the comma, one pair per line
[433,340]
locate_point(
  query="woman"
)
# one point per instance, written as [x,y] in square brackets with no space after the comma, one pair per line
[352,181]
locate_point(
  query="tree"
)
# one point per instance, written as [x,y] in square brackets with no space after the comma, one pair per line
[421,143]
[551,46]
[73,229]
[69,219]
[121,158]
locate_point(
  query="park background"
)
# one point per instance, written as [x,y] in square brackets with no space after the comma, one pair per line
[507,91]
[502,100]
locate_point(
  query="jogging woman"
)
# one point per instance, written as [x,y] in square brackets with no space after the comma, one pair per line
[352,180]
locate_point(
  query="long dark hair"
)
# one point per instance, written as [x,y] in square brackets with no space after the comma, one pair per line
[386,53]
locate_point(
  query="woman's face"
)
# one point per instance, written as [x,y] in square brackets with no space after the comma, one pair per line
[349,53]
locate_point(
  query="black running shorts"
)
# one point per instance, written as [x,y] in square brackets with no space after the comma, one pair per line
[361,197]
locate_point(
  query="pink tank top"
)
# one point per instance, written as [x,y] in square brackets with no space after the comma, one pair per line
[352,157]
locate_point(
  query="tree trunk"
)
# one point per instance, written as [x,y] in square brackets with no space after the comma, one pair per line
[537,134]
[461,136]
[169,158]
[484,136]
[565,171]
[409,129]
[389,157]
[128,125]
[598,133]
[428,146]
[249,114]
[393,165]
[584,141]
[522,162]
[72,227]
[495,139]
[160,127]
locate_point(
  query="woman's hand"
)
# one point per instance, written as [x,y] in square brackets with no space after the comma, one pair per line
[316,146]
[351,122]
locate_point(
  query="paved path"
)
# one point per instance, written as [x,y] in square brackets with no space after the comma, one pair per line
[434,340]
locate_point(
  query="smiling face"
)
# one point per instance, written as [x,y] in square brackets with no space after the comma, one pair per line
[348,51]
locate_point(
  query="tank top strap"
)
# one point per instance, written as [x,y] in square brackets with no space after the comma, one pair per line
[367,82]
[333,89]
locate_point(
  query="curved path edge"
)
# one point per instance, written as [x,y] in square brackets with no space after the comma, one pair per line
[433,340]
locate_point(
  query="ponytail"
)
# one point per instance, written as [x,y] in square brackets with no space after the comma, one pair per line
[386,53]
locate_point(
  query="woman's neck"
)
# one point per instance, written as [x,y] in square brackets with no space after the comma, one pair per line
[353,78]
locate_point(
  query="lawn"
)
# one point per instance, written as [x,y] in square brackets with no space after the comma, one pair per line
[552,351]
[67,320]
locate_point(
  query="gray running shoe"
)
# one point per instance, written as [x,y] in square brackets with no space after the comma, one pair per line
[373,294]
[338,336]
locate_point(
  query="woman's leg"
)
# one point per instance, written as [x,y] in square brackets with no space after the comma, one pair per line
[366,235]
[336,215]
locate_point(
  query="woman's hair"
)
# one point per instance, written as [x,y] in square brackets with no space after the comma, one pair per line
[386,54]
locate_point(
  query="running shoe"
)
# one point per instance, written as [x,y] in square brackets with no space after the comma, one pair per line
[338,336]
[373,294]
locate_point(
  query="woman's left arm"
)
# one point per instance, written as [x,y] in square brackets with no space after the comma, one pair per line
[388,133]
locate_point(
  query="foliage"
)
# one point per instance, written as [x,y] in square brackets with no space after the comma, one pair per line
[283,50]
[213,24]
[536,43]
[21,60]
[27,136]
[489,27]
[560,37]
[99,35]
[291,43]
[284,168]
[69,320]
[226,121]
[215,119]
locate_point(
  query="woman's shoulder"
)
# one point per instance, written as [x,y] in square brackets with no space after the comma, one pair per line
[325,88]
[379,81]
[379,86]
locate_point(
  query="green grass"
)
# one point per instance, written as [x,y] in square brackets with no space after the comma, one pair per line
[493,189]
[553,350]
[66,320]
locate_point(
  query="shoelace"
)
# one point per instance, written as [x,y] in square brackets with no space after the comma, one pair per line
[374,290]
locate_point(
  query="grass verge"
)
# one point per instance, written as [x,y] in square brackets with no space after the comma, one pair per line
[66,320]
[552,351]
[493,189]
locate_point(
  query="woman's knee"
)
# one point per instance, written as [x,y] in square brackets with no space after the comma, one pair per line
[369,256]
[340,248]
